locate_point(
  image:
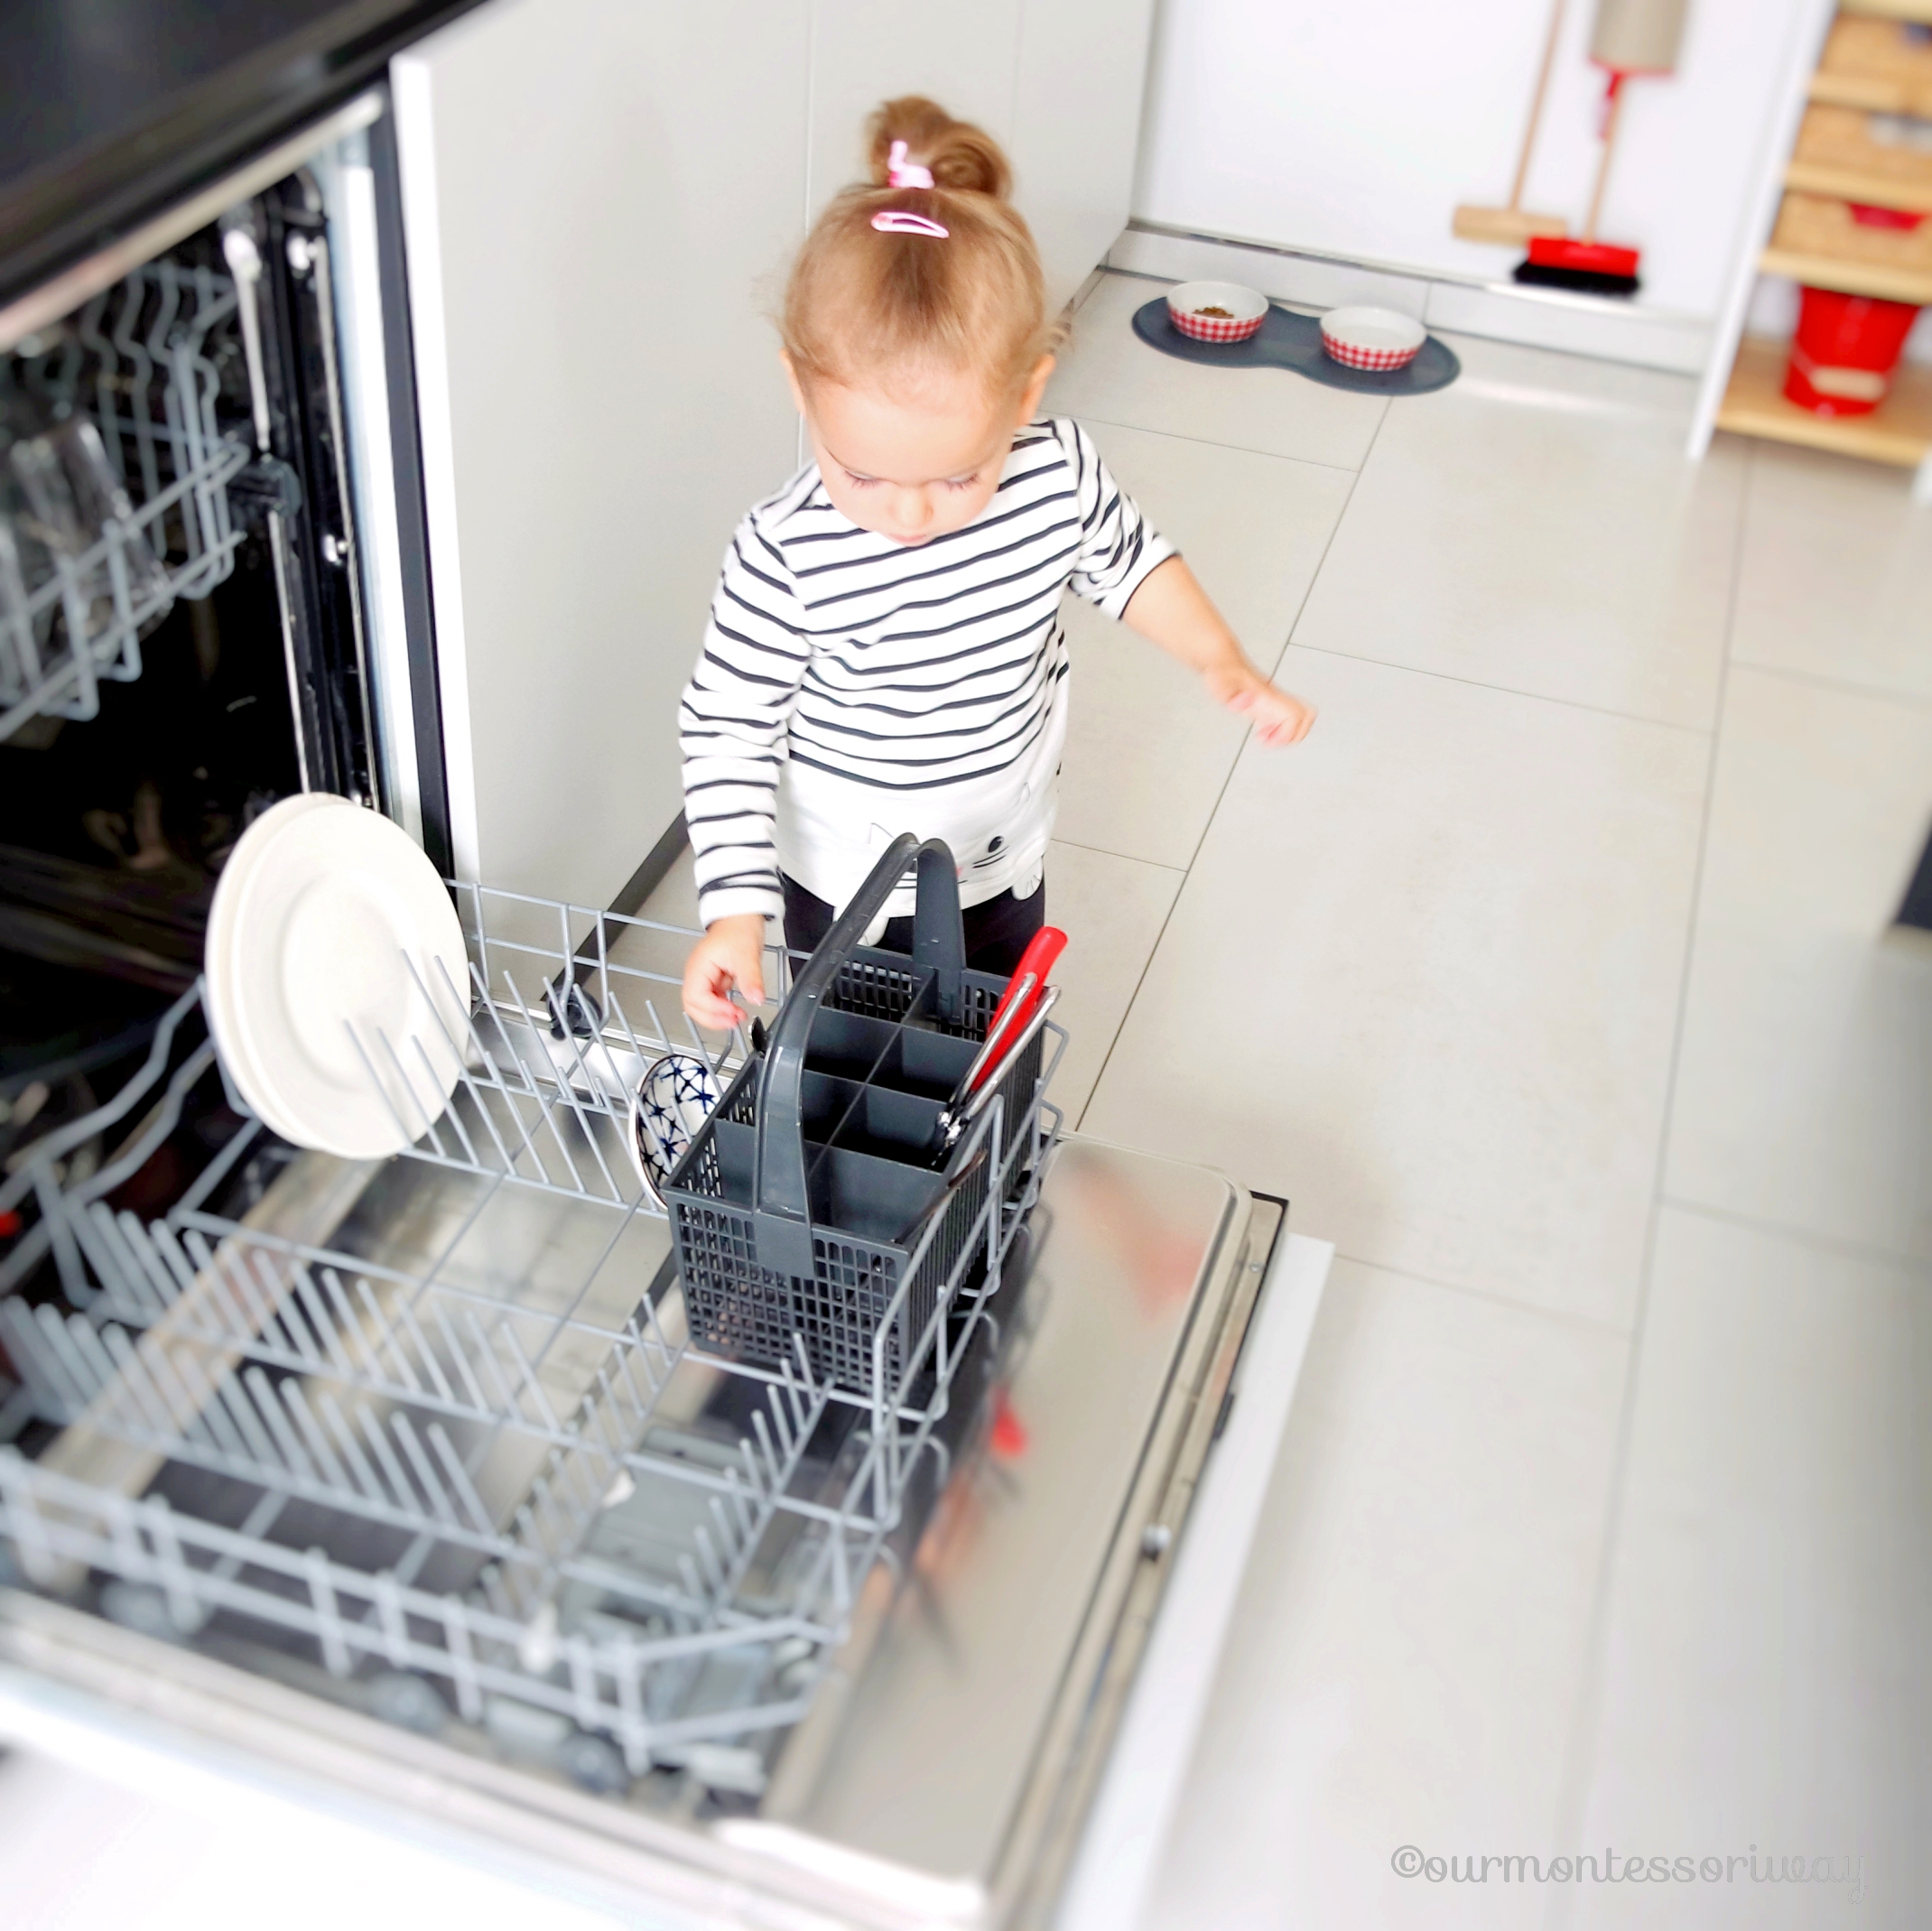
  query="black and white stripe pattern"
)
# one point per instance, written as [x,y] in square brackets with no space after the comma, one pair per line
[903,685]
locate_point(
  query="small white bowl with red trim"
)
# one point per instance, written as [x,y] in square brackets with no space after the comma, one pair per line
[1217,311]
[1378,339]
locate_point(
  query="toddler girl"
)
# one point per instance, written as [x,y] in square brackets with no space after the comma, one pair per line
[883,654]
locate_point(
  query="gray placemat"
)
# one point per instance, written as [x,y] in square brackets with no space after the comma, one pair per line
[1294,341]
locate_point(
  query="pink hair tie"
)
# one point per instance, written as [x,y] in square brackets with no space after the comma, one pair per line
[901,172]
[897,221]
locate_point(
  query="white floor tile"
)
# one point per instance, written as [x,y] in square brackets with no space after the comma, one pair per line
[1109,374]
[1805,1091]
[1537,526]
[1112,910]
[1422,978]
[1411,1639]
[1837,573]
[1148,752]
[1766,1680]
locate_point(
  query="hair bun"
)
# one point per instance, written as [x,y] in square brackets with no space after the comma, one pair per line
[961,156]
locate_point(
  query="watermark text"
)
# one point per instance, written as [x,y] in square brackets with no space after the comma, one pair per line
[1618,1867]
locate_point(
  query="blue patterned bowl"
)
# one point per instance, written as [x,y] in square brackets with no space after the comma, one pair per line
[672,1100]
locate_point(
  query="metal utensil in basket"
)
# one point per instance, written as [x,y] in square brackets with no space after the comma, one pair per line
[809,1204]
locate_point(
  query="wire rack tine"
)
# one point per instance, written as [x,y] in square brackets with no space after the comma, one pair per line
[546,1112]
[608,1102]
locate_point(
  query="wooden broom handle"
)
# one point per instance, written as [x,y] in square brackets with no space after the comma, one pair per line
[1535,105]
[1611,115]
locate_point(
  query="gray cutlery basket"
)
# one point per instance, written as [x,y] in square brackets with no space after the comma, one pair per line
[801,1206]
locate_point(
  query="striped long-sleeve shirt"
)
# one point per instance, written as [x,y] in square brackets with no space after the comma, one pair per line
[851,688]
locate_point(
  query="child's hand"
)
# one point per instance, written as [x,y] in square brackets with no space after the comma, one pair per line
[1279,719]
[731,953]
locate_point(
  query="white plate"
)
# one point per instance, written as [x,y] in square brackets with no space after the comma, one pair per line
[218,949]
[337,980]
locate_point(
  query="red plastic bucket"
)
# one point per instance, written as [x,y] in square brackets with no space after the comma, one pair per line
[1845,350]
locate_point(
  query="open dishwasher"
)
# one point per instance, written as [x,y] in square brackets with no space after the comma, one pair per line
[420,1454]
[411,1478]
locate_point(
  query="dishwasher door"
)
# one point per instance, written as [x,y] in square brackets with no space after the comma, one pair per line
[944,1770]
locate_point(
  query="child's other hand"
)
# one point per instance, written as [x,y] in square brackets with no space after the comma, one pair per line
[1278,716]
[730,955]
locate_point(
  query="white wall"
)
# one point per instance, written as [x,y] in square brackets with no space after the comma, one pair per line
[1355,130]
[1059,83]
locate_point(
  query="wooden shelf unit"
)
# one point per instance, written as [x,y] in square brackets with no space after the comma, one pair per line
[1851,184]
[1851,278]
[1917,12]
[1872,92]
[1742,390]
[1898,431]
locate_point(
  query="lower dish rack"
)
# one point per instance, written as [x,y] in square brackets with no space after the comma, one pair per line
[432,1435]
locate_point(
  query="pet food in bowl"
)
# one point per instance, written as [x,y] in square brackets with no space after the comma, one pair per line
[1217,311]
[1372,339]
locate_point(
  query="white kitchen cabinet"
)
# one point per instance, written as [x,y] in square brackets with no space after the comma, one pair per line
[864,51]
[1058,81]
[1078,83]
[601,199]
[596,202]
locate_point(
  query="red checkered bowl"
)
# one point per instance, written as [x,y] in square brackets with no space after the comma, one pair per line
[1247,311]
[1372,339]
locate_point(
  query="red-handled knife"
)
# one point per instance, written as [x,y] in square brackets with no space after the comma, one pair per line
[1025,987]
[1022,1003]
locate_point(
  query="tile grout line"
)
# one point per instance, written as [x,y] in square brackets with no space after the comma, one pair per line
[1535,697]
[1915,701]
[1245,448]
[1583,1725]
[1287,642]
[1126,857]
[1228,779]
[1588,1323]
[1873,1256]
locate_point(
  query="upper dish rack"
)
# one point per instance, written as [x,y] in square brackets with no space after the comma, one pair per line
[434,1430]
[559,1031]
[77,590]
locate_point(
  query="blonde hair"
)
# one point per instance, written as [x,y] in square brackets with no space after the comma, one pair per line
[867,306]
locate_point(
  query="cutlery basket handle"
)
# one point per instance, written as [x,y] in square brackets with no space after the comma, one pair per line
[781,1202]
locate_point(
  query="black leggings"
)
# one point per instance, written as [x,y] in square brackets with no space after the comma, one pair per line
[997,930]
